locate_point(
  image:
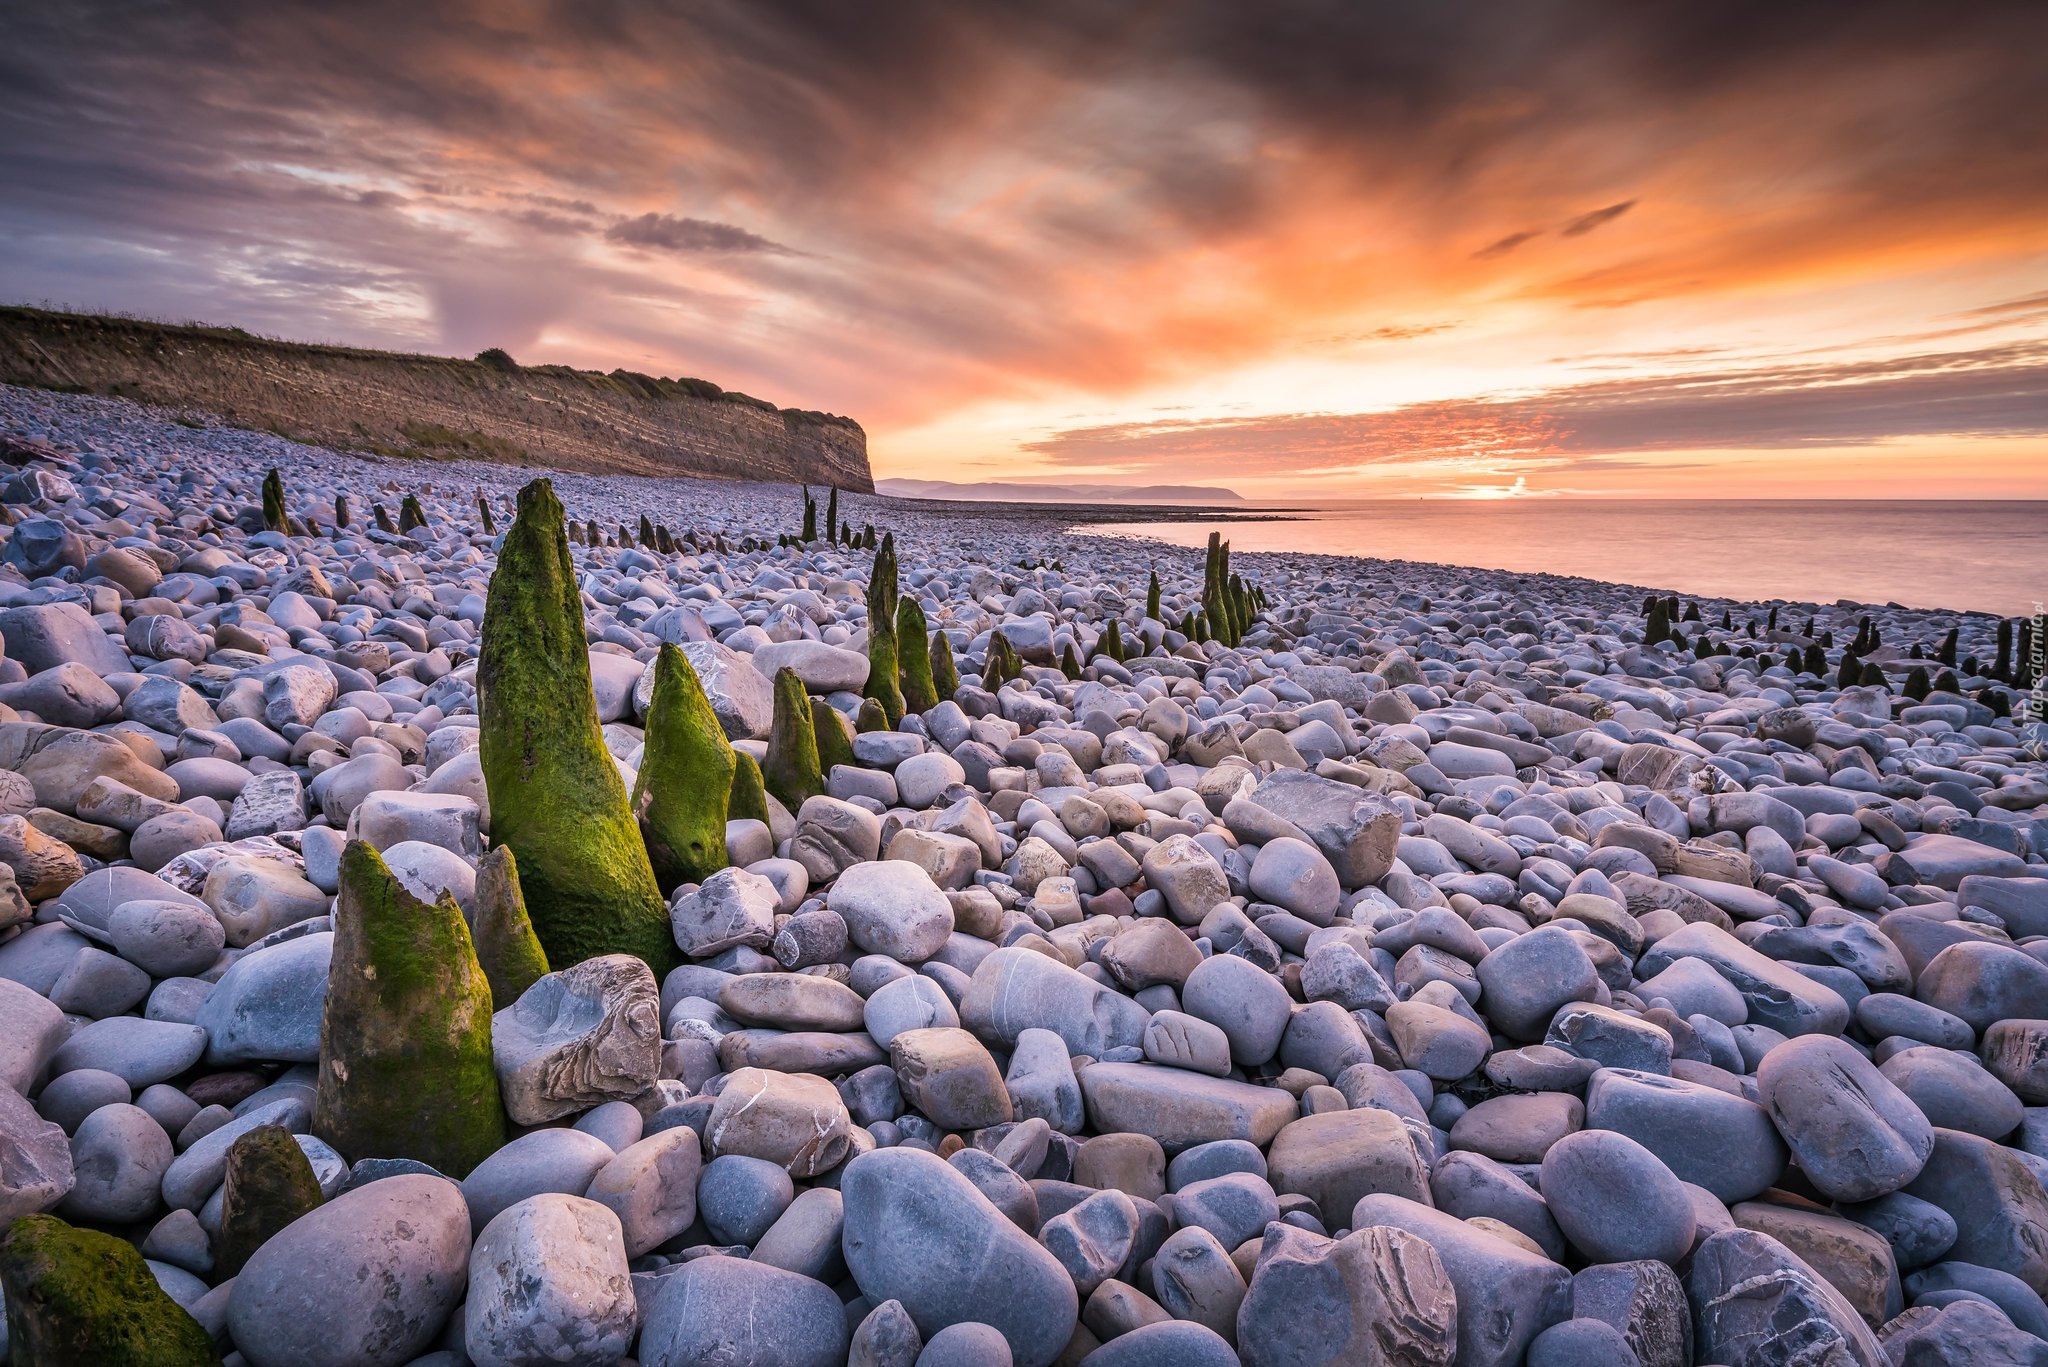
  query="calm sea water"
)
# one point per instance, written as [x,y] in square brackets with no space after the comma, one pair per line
[1985,557]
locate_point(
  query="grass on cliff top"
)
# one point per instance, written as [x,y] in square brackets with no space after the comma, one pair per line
[82,328]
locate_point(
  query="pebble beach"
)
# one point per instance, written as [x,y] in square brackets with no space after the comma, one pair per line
[920,935]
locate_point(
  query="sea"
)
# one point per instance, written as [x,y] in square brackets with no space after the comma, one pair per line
[1987,557]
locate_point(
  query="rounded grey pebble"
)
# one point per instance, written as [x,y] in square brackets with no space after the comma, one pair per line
[966,1345]
[1615,1200]
[738,1198]
[1170,1343]
[1581,1343]
[69,1099]
[730,1310]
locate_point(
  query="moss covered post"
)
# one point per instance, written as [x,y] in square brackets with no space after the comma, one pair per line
[749,799]
[405,1033]
[80,1298]
[883,683]
[556,795]
[834,735]
[506,950]
[791,771]
[914,657]
[268,1183]
[685,780]
[945,673]
[274,516]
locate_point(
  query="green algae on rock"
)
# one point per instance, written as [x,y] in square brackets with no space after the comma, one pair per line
[1112,642]
[556,796]
[411,514]
[274,515]
[914,657]
[1001,664]
[882,684]
[748,800]
[945,674]
[791,770]
[79,1298]
[834,736]
[268,1184]
[684,786]
[506,950]
[405,1034]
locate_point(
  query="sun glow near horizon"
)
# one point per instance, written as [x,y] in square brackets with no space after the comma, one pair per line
[1576,249]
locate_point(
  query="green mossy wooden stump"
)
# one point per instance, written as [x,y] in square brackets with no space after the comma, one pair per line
[556,796]
[79,1298]
[685,781]
[405,1034]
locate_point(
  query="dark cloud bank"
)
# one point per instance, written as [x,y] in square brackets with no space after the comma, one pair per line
[808,174]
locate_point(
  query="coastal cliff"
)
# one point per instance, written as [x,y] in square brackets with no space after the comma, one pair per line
[397,404]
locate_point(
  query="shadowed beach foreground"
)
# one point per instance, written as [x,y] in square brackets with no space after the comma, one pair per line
[451,916]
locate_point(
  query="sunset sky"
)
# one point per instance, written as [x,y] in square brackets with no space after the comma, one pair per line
[1718,249]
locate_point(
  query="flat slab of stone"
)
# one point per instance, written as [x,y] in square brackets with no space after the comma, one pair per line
[1181,1109]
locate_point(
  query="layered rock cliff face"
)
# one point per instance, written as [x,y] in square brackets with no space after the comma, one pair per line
[396,404]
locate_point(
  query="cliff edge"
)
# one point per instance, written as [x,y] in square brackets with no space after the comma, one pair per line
[397,404]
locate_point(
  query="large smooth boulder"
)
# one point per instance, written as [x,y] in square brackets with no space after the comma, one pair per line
[797,1121]
[267,1007]
[1854,1134]
[1997,1201]
[44,635]
[919,1232]
[548,1282]
[1706,1136]
[1525,980]
[1249,1005]
[739,1313]
[1181,1109]
[118,1157]
[1014,990]
[892,907]
[367,1280]
[1615,1200]
[1356,830]
[1338,1158]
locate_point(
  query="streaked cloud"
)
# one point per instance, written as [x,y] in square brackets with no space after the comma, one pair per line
[1993,392]
[1587,222]
[926,214]
[671,234]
